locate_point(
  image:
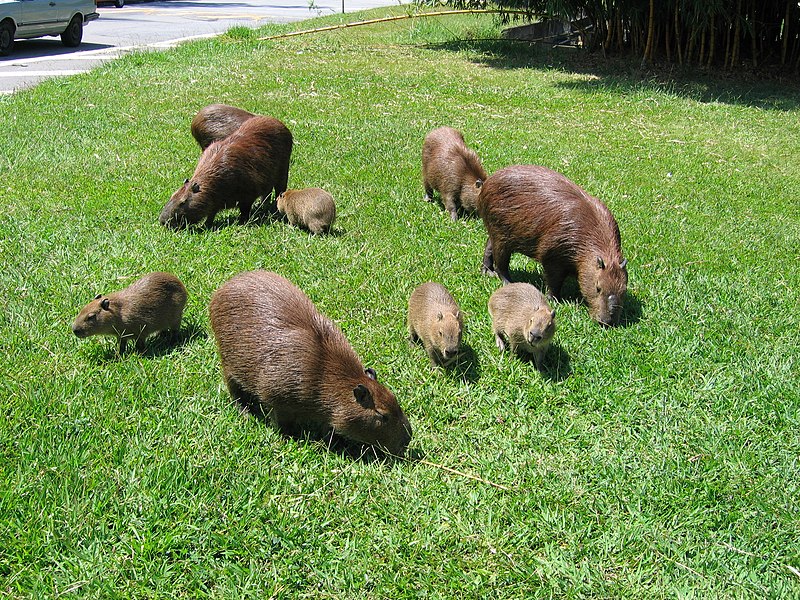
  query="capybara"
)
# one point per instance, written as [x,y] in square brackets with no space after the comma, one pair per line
[522,319]
[434,318]
[542,214]
[216,122]
[282,357]
[452,169]
[312,208]
[234,171]
[151,304]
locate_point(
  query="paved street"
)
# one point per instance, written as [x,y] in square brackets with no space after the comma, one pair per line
[153,24]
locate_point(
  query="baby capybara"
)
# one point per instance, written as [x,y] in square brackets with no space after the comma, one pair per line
[435,319]
[216,122]
[282,357]
[522,319]
[311,208]
[250,163]
[151,304]
[542,214]
[452,169]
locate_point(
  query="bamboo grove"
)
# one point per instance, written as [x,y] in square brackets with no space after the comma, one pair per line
[730,34]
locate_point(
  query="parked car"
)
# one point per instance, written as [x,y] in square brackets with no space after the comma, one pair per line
[25,19]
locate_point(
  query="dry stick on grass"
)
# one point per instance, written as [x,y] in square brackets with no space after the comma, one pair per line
[395,18]
[467,475]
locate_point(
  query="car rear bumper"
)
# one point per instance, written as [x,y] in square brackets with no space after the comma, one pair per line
[91,17]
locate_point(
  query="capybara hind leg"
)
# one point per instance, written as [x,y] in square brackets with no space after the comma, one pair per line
[244,215]
[428,192]
[554,277]
[281,184]
[488,259]
[210,219]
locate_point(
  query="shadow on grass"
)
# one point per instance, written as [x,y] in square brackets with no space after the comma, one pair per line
[157,345]
[762,89]
[467,368]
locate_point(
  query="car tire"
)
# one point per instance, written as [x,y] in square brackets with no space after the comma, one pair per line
[119,3]
[6,38]
[73,33]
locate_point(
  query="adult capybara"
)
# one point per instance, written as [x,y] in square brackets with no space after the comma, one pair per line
[151,304]
[542,214]
[434,318]
[251,162]
[522,319]
[216,122]
[311,208]
[281,356]
[452,169]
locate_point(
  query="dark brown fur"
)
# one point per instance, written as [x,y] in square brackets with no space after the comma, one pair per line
[312,208]
[435,319]
[250,163]
[216,122]
[281,355]
[542,214]
[522,319]
[452,169]
[151,304]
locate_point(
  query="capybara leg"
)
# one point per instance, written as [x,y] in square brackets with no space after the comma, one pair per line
[488,259]
[244,215]
[247,403]
[412,335]
[538,356]
[428,192]
[210,219]
[450,204]
[434,358]
[554,277]
[498,339]
[281,184]
[123,344]
[140,347]
[502,258]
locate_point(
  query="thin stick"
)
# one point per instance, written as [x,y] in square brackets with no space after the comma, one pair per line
[793,570]
[395,18]
[467,475]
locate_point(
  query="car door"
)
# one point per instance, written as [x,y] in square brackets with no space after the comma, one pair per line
[36,17]
[66,8]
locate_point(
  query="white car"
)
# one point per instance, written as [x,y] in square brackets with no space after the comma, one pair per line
[24,19]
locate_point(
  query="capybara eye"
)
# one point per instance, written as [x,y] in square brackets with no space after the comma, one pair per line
[92,317]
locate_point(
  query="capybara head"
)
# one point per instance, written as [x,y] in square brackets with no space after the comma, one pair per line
[375,417]
[541,326]
[470,190]
[446,336]
[96,318]
[184,206]
[603,285]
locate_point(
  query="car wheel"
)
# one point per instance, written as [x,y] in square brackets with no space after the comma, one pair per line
[73,33]
[119,3]
[6,38]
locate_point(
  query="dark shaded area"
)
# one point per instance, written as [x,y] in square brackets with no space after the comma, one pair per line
[556,365]
[467,368]
[49,46]
[160,344]
[756,88]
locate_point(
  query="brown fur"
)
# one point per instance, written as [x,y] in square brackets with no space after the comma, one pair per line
[251,162]
[280,355]
[312,208]
[435,319]
[522,319]
[542,214]
[216,122]
[452,169]
[151,304]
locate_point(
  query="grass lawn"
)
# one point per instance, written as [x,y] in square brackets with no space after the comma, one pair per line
[657,459]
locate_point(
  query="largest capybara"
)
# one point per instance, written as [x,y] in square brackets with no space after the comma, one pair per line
[250,163]
[151,304]
[216,122]
[452,169]
[281,356]
[542,214]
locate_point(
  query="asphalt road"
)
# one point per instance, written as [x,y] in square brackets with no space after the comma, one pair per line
[153,25]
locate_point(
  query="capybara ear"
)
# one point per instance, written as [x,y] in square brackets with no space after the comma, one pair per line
[195,187]
[98,296]
[185,181]
[104,304]
[478,184]
[600,263]
[553,314]
[371,373]
[623,263]
[363,396]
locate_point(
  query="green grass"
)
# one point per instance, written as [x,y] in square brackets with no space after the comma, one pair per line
[657,459]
